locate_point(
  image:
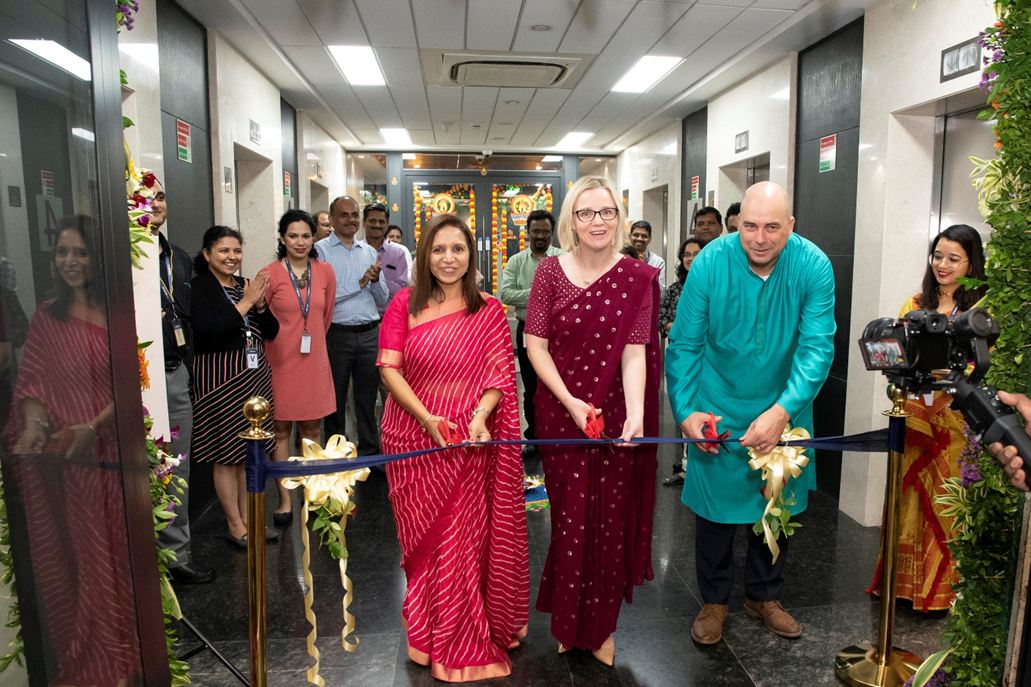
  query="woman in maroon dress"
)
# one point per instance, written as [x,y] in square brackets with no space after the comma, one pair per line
[63,416]
[592,336]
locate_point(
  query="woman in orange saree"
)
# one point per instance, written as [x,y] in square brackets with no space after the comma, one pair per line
[446,356]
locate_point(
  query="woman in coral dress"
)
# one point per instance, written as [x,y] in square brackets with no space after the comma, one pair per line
[446,356]
[301,294]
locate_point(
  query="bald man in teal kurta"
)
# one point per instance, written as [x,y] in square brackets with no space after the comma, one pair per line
[755,349]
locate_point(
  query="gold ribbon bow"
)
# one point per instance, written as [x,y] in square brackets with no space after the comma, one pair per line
[318,490]
[776,466]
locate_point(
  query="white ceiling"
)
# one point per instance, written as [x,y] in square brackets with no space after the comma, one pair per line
[722,42]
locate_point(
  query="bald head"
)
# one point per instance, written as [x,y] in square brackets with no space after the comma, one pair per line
[766,224]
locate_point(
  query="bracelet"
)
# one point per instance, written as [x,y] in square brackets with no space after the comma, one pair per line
[423,423]
[478,410]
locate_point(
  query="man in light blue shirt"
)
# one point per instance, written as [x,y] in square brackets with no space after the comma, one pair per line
[640,239]
[353,338]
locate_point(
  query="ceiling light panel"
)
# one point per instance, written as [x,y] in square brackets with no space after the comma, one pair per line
[648,71]
[358,64]
[57,55]
[396,137]
[574,139]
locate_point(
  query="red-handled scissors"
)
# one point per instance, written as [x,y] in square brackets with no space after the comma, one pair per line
[594,424]
[709,432]
[450,437]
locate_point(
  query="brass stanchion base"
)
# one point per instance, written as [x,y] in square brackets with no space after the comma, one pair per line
[857,665]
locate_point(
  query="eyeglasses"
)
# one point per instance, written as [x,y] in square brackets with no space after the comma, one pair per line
[587,215]
[951,261]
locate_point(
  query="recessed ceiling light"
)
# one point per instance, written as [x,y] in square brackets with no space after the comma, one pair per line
[551,158]
[417,166]
[511,102]
[539,167]
[396,137]
[597,159]
[358,64]
[574,139]
[541,27]
[504,123]
[498,138]
[648,71]
[361,157]
[407,156]
[57,55]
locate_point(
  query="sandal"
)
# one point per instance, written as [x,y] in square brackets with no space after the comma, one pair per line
[673,480]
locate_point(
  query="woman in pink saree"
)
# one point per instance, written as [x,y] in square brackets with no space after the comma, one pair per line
[446,356]
[592,336]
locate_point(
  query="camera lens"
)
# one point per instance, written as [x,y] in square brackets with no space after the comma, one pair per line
[976,322]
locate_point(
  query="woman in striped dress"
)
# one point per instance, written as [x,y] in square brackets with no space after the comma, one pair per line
[231,322]
[446,356]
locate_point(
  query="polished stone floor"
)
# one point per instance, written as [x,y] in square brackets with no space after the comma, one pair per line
[831,563]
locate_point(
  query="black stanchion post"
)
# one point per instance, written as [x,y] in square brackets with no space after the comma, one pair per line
[881,664]
[256,410]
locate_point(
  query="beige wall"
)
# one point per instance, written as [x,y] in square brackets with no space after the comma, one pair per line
[239,94]
[762,105]
[647,166]
[901,62]
[321,163]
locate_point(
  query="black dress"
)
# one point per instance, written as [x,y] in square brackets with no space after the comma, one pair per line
[221,380]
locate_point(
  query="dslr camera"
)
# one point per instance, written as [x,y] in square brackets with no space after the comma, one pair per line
[925,352]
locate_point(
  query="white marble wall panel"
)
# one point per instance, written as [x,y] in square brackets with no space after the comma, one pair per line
[321,164]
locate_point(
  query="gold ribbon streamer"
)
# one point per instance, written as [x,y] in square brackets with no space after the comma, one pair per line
[776,465]
[318,490]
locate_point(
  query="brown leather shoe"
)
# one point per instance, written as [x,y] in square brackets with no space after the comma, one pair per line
[708,626]
[777,620]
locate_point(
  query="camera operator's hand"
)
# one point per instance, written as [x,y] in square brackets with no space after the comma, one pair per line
[1012,463]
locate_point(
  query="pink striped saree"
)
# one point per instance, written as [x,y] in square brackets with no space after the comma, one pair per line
[460,515]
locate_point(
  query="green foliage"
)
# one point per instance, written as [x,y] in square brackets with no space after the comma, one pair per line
[327,525]
[17,646]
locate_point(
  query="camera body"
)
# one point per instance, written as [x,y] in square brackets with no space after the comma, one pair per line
[924,352]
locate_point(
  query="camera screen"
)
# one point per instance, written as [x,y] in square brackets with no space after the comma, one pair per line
[883,354]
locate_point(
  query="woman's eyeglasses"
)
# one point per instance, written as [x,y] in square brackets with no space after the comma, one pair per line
[950,262]
[587,215]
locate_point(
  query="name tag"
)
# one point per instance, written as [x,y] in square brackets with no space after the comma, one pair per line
[180,337]
[306,343]
[252,358]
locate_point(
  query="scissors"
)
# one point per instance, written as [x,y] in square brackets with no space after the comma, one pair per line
[709,431]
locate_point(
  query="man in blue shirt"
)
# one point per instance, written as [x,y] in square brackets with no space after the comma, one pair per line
[353,338]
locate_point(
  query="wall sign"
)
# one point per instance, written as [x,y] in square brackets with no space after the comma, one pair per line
[227,176]
[741,142]
[14,196]
[184,140]
[828,153]
[694,188]
[46,180]
[255,132]
[712,199]
[286,183]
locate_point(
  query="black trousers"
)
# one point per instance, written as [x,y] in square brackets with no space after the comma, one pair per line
[529,377]
[714,563]
[352,358]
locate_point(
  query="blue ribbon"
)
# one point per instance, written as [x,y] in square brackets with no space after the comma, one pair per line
[868,442]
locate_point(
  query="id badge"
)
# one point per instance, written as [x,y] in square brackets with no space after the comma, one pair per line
[252,358]
[180,337]
[306,343]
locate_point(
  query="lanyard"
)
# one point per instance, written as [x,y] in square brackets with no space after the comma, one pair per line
[952,315]
[246,320]
[306,303]
[168,288]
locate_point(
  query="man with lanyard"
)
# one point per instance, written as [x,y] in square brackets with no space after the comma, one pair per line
[175,268]
[353,338]
[750,348]
[516,280]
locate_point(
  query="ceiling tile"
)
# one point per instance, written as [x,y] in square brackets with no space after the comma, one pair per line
[411,104]
[492,23]
[746,29]
[445,104]
[728,3]
[369,137]
[473,137]
[545,104]
[422,137]
[379,105]
[554,13]
[283,22]
[400,67]
[780,4]
[508,117]
[388,22]
[679,80]
[594,24]
[336,23]
[694,29]
[448,138]
[607,109]
[478,105]
[440,23]
[347,106]
[580,102]
[315,63]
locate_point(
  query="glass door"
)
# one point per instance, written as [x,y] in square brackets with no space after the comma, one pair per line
[510,205]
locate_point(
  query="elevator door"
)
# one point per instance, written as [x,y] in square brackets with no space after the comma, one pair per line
[965,136]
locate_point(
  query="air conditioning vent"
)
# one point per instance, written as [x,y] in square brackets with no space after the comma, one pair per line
[505,69]
[504,74]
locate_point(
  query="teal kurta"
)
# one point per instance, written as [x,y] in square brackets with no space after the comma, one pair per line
[739,345]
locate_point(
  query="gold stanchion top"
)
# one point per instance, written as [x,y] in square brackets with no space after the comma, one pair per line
[898,402]
[256,409]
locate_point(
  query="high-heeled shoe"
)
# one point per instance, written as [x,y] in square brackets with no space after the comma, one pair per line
[562,649]
[607,653]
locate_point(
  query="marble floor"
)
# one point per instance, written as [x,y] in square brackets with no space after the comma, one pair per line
[832,561]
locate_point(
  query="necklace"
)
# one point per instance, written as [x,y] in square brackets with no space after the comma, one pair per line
[583,275]
[945,294]
[302,280]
